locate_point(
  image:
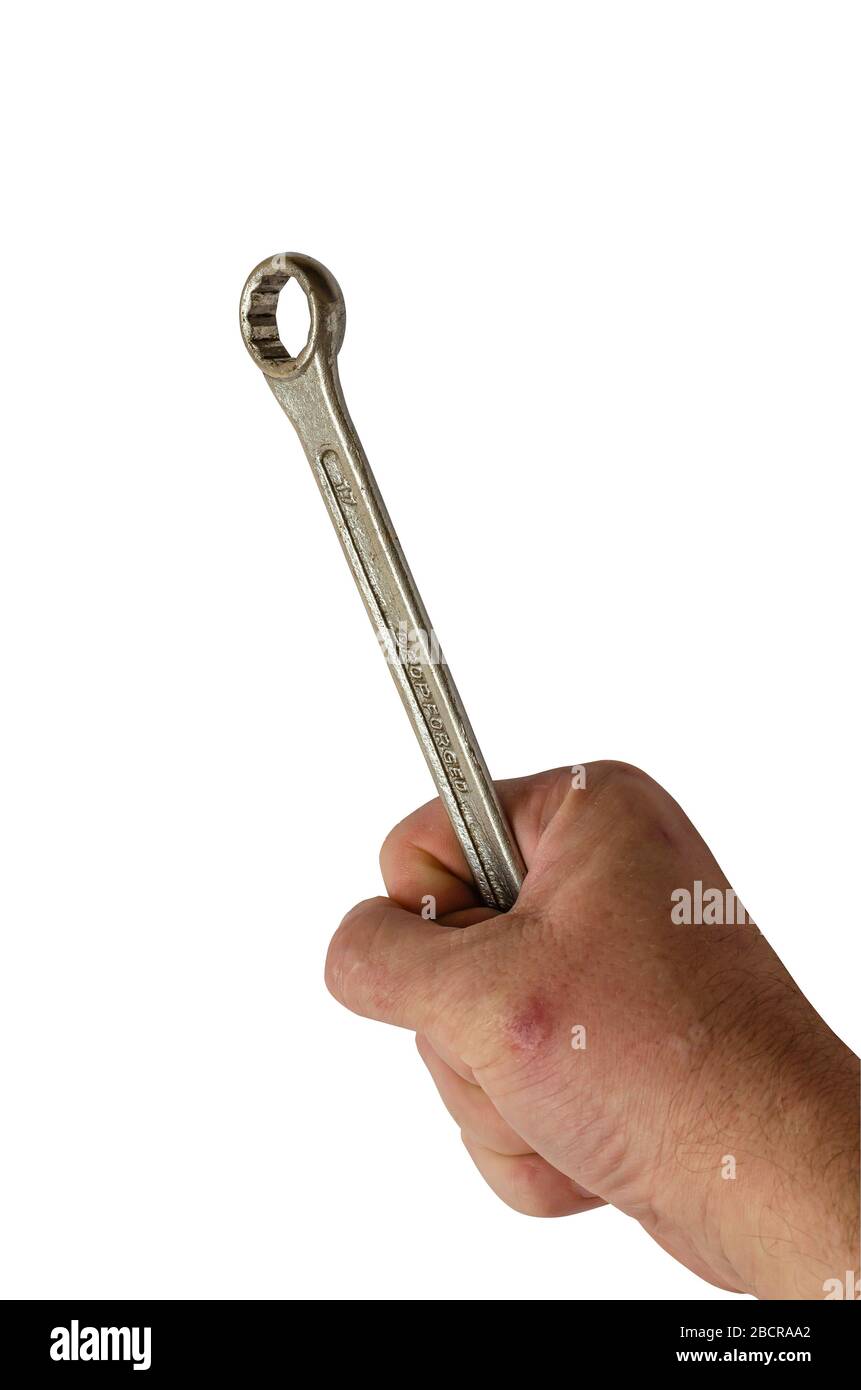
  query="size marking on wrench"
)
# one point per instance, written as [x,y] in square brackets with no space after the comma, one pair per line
[308,389]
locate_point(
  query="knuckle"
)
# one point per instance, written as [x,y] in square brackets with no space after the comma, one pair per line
[627,795]
[615,773]
[527,1034]
[527,1021]
[531,1193]
[525,1187]
[512,1006]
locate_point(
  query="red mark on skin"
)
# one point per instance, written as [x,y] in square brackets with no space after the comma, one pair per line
[528,1027]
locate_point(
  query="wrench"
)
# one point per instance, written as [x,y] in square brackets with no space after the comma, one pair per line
[308,389]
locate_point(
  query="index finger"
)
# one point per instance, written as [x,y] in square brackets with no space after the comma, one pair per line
[422,858]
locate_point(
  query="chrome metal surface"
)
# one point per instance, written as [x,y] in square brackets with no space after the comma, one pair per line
[308,389]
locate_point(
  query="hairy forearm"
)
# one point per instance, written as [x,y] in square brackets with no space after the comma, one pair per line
[796,1225]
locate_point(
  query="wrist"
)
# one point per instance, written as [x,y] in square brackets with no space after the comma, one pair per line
[761,1170]
[789,1222]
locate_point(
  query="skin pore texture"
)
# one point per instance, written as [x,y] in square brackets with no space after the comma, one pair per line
[594,1051]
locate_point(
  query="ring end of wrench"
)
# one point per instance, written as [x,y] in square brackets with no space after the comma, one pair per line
[257,314]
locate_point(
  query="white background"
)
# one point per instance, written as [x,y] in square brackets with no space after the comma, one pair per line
[602,276]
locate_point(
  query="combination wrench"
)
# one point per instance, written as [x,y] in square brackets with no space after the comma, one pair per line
[308,389]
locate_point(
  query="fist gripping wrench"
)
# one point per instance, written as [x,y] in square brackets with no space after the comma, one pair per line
[308,389]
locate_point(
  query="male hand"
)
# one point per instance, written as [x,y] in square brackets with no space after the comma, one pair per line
[593,1050]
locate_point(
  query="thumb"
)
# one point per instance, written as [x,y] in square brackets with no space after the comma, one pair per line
[390,965]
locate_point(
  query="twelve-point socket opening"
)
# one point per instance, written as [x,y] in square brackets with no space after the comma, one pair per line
[278,314]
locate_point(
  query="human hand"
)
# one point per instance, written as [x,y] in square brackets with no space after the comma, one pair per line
[593,1050]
